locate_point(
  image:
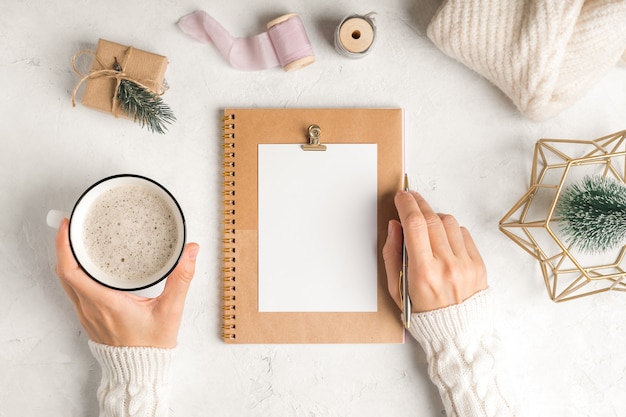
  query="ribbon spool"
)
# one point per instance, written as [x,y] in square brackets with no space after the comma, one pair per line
[285,43]
[291,42]
[355,35]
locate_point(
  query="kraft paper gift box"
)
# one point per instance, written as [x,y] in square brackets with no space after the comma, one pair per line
[144,68]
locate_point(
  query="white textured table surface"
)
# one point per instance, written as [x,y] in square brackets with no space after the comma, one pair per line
[467,149]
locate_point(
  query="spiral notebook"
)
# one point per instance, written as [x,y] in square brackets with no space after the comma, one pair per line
[307,197]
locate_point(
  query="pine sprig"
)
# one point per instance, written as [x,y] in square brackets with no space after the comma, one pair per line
[593,214]
[143,106]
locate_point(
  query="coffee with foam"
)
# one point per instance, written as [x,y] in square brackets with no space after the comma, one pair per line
[130,232]
[126,231]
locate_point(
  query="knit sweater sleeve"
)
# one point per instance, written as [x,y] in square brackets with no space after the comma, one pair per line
[135,380]
[462,350]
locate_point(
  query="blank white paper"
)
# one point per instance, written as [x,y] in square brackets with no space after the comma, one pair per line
[317,228]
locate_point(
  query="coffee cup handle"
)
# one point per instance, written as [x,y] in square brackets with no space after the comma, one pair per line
[54,218]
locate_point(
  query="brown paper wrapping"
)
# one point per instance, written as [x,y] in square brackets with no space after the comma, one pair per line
[143,67]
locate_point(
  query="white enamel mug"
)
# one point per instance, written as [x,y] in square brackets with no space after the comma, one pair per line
[77,234]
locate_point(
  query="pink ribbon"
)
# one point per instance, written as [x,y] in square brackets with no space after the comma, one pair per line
[285,44]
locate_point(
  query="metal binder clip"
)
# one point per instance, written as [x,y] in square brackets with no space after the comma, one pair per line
[314,139]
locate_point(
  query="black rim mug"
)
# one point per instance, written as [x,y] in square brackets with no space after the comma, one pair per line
[82,208]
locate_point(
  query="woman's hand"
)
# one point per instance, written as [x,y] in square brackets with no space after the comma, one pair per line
[119,318]
[444,266]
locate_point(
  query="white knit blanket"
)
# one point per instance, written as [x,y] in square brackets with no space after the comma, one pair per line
[543,54]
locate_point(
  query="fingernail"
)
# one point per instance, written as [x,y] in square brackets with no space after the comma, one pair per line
[389,228]
[193,252]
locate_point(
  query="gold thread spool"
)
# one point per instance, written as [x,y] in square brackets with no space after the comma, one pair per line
[355,36]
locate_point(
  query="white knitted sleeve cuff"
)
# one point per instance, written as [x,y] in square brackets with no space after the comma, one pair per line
[452,321]
[462,348]
[135,380]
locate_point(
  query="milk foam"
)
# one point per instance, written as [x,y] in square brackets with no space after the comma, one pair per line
[130,232]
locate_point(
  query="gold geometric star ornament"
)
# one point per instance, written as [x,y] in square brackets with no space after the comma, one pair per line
[533,224]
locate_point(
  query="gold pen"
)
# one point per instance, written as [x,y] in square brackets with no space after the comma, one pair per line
[404,293]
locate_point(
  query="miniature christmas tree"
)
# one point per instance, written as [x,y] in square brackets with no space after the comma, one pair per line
[593,214]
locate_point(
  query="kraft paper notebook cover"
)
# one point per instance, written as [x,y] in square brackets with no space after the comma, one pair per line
[304,229]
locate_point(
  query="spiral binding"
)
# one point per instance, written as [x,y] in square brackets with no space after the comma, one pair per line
[229,260]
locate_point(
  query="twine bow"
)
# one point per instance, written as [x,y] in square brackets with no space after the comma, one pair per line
[111,73]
